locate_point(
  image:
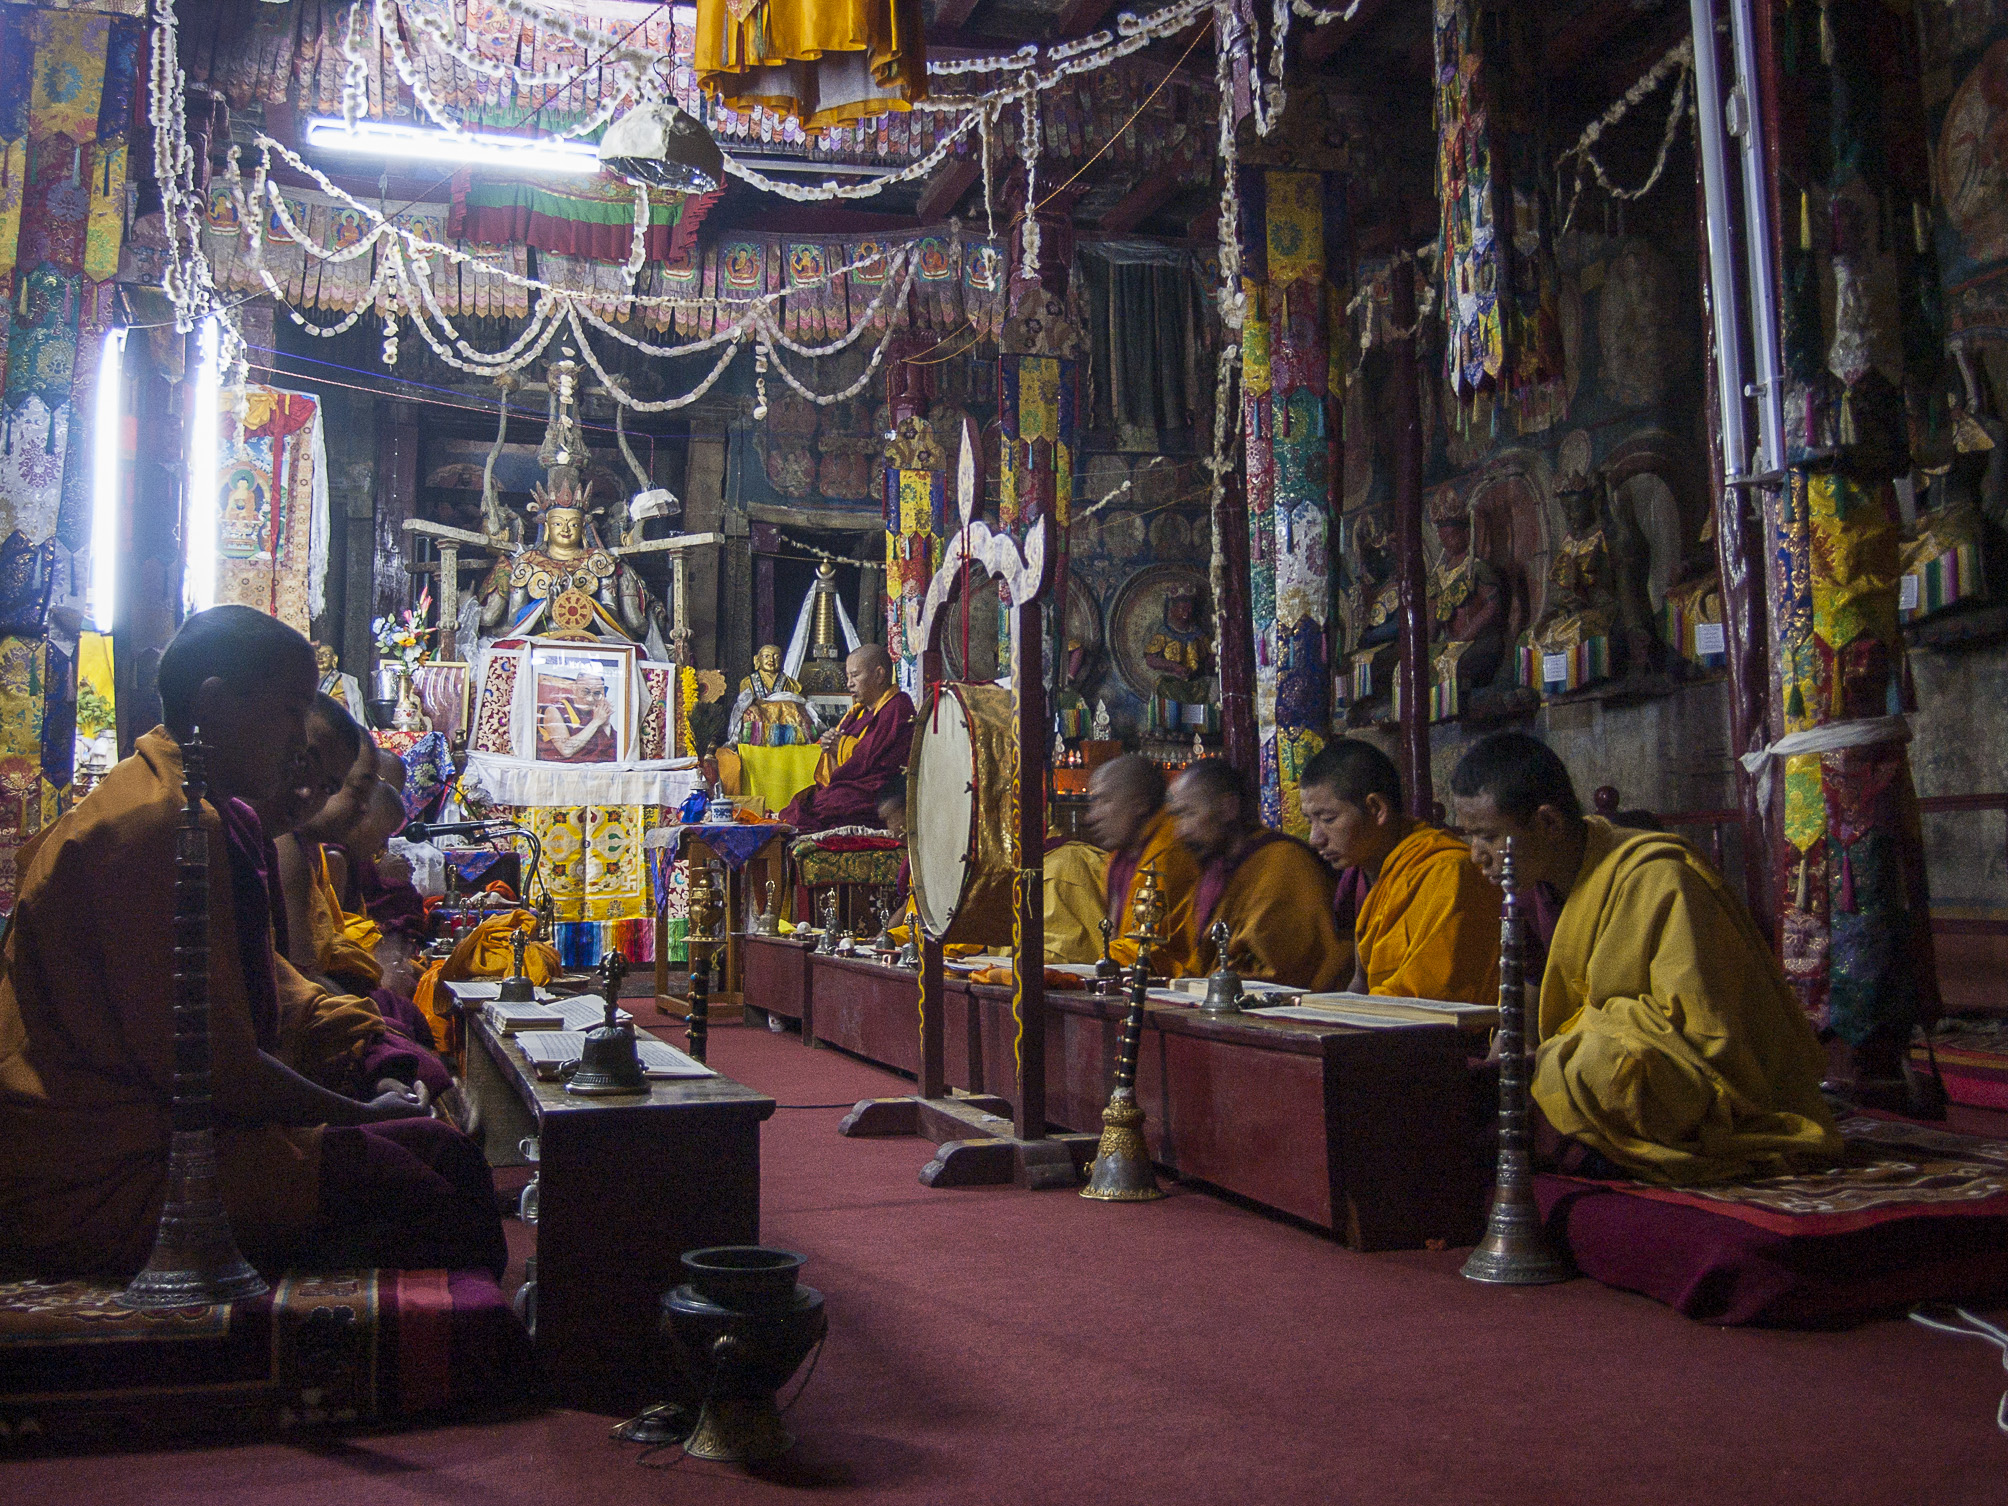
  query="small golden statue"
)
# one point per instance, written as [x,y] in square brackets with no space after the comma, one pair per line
[770,709]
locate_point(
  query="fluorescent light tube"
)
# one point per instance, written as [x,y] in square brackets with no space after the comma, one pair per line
[199,521]
[399,141]
[107,443]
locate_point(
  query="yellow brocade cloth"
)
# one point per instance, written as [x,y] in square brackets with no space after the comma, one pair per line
[485,952]
[822,61]
[1278,909]
[1075,873]
[777,774]
[1429,926]
[1669,1039]
[1177,882]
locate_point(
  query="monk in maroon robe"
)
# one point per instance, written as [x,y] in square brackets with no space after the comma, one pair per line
[867,748]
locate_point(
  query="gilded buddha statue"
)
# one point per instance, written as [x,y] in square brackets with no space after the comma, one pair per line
[567,581]
[1582,593]
[1468,597]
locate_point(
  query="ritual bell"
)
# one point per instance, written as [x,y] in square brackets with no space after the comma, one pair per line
[768,921]
[611,1061]
[827,942]
[517,987]
[1223,985]
[1108,972]
[1122,1172]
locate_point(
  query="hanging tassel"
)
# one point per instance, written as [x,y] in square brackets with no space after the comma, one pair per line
[1918,227]
[1827,43]
[1795,702]
[1800,894]
[1805,220]
[1847,883]
[1847,417]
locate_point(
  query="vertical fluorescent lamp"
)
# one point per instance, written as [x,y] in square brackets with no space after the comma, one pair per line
[198,588]
[107,442]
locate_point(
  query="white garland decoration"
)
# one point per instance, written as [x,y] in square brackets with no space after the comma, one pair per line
[1678,57]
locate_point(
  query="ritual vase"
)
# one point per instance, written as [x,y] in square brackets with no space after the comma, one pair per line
[410,714]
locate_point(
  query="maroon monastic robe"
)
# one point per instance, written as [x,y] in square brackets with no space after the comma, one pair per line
[847,786]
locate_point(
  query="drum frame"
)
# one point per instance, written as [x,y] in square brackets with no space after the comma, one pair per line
[975,916]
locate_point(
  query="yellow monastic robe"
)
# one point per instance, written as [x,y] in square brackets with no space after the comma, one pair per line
[344,944]
[1075,874]
[87,1038]
[1669,1039]
[487,951]
[1278,907]
[1429,927]
[1177,883]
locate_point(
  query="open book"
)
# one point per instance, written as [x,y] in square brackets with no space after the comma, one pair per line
[550,1051]
[476,990]
[582,1013]
[1379,1009]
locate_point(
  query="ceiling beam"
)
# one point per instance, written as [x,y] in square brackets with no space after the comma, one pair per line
[1138,204]
[950,16]
[1326,40]
[1081,17]
[945,189]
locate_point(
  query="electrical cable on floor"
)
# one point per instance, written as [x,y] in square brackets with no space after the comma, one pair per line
[1971,1327]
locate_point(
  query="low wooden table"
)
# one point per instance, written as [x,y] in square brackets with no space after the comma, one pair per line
[1371,1134]
[625,1186]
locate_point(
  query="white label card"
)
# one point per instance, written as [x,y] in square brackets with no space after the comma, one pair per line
[1909,592]
[1709,638]
[1554,668]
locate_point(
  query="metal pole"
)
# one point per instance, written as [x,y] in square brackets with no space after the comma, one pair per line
[1747,124]
[1721,248]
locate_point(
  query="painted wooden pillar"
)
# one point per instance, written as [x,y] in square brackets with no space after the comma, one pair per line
[1290,440]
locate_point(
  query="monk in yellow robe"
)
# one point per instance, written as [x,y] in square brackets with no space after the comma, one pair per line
[1074,875]
[87,1014]
[1669,1043]
[1273,892]
[1429,925]
[1127,815]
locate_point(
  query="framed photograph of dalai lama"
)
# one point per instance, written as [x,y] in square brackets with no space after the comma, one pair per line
[583,703]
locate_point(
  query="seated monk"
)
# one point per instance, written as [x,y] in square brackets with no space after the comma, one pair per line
[1428,927]
[1073,885]
[308,1176]
[1669,1043]
[892,816]
[861,752]
[1272,891]
[1126,815]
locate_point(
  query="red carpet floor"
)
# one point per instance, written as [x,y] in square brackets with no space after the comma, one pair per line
[1035,1349]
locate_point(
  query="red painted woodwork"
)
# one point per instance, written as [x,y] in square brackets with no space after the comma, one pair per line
[776,971]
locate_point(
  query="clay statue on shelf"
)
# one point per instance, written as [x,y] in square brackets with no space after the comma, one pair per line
[1582,592]
[1469,597]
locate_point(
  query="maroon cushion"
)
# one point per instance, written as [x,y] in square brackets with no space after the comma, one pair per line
[351,1347]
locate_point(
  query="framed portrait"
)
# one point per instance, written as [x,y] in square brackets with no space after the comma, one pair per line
[582,697]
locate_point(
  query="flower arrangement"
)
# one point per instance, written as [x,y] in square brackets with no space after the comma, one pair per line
[402,640]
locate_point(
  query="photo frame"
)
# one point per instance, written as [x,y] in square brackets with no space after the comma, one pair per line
[582,703]
[445,689]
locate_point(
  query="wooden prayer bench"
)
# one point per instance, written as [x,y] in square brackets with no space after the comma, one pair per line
[625,1186]
[1371,1134]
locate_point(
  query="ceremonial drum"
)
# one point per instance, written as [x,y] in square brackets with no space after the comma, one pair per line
[958,801]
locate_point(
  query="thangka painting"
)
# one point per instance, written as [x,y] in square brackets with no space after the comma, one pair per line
[1965,57]
[272,504]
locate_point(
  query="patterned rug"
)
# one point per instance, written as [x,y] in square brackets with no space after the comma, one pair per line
[1973,1059]
[1894,1169]
[338,1348]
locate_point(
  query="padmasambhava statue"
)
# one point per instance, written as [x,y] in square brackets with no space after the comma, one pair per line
[770,708]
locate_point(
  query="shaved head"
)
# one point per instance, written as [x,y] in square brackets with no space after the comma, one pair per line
[1123,795]
[1214,806]
[868,673]
[391,769]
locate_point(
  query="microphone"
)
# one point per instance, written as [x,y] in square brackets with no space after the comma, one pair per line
[422,831]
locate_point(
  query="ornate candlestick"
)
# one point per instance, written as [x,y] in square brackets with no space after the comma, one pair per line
[1223,987]
[1515,1250]
[517,987]
[195,1260]
[611,1061]
[1122,1171]
[698,1037]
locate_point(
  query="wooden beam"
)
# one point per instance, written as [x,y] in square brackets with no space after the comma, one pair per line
[1326,40]
[1136,205]
[950,16]
[1081,17]
[946,188]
